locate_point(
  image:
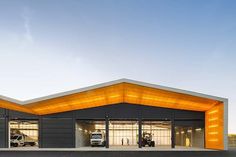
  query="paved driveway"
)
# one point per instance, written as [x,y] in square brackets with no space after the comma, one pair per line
[114,153]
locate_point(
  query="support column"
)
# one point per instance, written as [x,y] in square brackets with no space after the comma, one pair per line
[7,127]
[107,131]
[40,138]
[172,133]
[140,133]
[74,130]
[7,145]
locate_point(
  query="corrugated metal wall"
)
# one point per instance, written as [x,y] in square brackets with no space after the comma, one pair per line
[57,133]
[3,129]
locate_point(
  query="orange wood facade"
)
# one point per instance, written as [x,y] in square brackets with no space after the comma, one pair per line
[214,127]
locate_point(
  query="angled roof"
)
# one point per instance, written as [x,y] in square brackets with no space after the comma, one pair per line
[114,92]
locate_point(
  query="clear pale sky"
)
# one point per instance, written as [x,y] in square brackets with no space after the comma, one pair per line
[53,46]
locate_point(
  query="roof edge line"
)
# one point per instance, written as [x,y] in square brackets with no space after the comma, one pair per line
[198,94]
[60,94]
[123,80]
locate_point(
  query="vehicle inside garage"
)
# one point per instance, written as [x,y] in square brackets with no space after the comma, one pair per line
[90,133]
[156,133]
[23,133]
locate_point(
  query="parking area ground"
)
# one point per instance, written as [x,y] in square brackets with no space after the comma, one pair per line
[57,152]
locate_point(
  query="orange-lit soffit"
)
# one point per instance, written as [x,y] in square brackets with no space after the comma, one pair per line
[14,106]
[113,94]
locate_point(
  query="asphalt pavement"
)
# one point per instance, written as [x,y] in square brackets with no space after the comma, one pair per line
[63,153]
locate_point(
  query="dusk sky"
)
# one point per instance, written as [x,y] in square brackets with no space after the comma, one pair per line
[51,46]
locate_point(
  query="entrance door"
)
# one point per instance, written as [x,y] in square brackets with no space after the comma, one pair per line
[159,132]
[186,136]
[23,133]
[123,133]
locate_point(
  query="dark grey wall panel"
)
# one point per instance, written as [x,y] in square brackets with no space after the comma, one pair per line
[91,113]
[3,133]
[123,111]
[21,115]
[68,114]
[149,112]
[3,128]
[195,123]
[133,111]
[57,133]
[2,112]
[184,114]
[129,111]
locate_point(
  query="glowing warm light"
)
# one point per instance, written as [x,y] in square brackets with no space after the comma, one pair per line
[213,140]
[213,133]
[132,96]
[182,132]
[114,96]
[189,131]
[212,119]
[212,112]
[198,129]
[94,99]
[148,98]
[213,126]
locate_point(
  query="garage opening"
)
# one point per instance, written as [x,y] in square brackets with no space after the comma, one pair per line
[123,133]
[156,133]
[90,133]
[186,136]
[23,133]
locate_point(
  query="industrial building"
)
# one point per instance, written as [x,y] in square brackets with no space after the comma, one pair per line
[125,113]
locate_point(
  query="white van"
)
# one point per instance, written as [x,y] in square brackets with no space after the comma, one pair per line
[98,139]
[22,140]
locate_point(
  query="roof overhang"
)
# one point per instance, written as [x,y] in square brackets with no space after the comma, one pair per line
[119,91]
